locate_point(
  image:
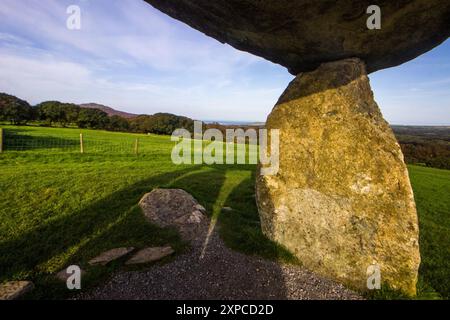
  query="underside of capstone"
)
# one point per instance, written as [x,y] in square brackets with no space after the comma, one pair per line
[302,34]
[342,200]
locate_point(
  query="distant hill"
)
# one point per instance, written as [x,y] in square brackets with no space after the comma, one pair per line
[110,111]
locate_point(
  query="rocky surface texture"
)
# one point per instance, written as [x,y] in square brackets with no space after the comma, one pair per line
[302,34]
[149,255]
[110,255]
[342,199]
[15,289]
[175,208]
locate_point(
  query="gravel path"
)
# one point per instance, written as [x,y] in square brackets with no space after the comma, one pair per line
[221,274]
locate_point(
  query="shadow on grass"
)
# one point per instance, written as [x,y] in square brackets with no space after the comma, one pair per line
[241,227]
[38,250]
[117,221]
[221,273]
[14,140]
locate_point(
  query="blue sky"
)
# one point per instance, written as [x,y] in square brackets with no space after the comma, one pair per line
[130,56]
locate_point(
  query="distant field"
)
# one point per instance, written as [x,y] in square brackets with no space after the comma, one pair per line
[425,145]
[59,207]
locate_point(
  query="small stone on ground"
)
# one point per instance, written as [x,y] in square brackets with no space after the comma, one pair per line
[110,255]
[15,289]
[175,208]
[148,255]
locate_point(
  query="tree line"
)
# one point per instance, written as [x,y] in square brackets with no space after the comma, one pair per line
[434,154]
[416,145]
[51,113]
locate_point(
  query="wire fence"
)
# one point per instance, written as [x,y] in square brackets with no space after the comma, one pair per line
[105,143]
[76,143]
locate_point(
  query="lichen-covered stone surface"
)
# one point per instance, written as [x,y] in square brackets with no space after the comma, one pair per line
[342,199]
[175,208]
[302,34]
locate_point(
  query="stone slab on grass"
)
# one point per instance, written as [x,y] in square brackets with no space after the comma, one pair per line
[110,255]
[15,289]
[176,208]
[148,255]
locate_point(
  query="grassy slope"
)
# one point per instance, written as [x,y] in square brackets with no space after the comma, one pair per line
[432,194]
[59,208]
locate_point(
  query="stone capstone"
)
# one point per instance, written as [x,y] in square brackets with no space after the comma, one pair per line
[302,34]
[342,199]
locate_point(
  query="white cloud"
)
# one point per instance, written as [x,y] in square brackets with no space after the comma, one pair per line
[127,30]
[43,77]
[128,56]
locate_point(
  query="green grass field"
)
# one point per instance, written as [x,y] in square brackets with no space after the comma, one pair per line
[59,207]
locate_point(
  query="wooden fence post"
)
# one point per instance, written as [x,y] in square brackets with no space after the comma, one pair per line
[81,143]
[136,146]
[1,140]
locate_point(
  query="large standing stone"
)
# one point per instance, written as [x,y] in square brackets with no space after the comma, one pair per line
[342,199]
[302,34]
